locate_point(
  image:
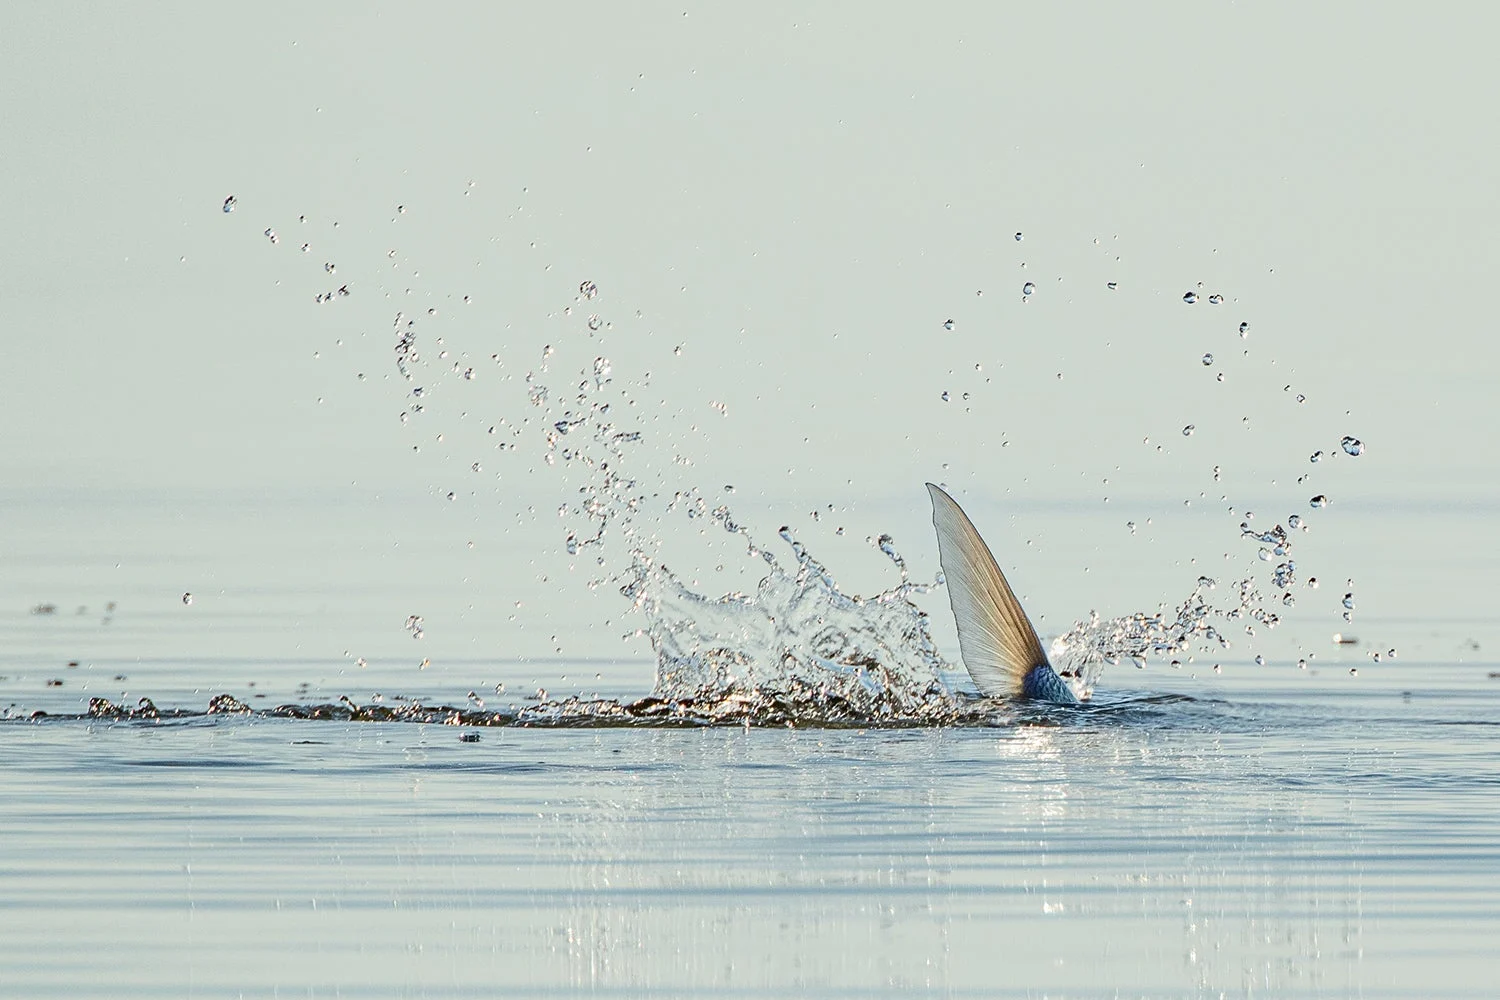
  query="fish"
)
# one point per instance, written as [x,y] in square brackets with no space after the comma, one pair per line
[999,644]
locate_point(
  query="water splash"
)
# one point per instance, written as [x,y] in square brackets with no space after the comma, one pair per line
[1082,653]
[795,646]
[798,641]
[798,646]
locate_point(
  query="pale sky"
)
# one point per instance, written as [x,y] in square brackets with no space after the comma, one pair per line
[797,196]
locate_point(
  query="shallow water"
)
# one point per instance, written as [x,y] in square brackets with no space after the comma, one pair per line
[1267,831]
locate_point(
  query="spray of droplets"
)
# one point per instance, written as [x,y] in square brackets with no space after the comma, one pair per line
[796,647]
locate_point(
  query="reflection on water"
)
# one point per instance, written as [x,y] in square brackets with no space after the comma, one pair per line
[1269,840]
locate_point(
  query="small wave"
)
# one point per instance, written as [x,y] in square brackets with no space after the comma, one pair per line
[794,707]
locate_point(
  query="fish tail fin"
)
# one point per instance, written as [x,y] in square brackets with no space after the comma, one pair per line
[999,645]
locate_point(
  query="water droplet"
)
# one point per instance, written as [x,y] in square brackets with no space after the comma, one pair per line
[1318,501]
[1190,298]
[1315,457]
[1312,583]
[1112,285]
[1028,288]
[1019,237]
[271,235]
[1349,601]
[948,324]
[595,322]
[1301,664]
[1188,430]
[945,395]
[1352,445]
[588,289]
[1260,661]
[1294,521]
[1244,329]
[229,204]
[1208,359]
[187,598]
[1216,299]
